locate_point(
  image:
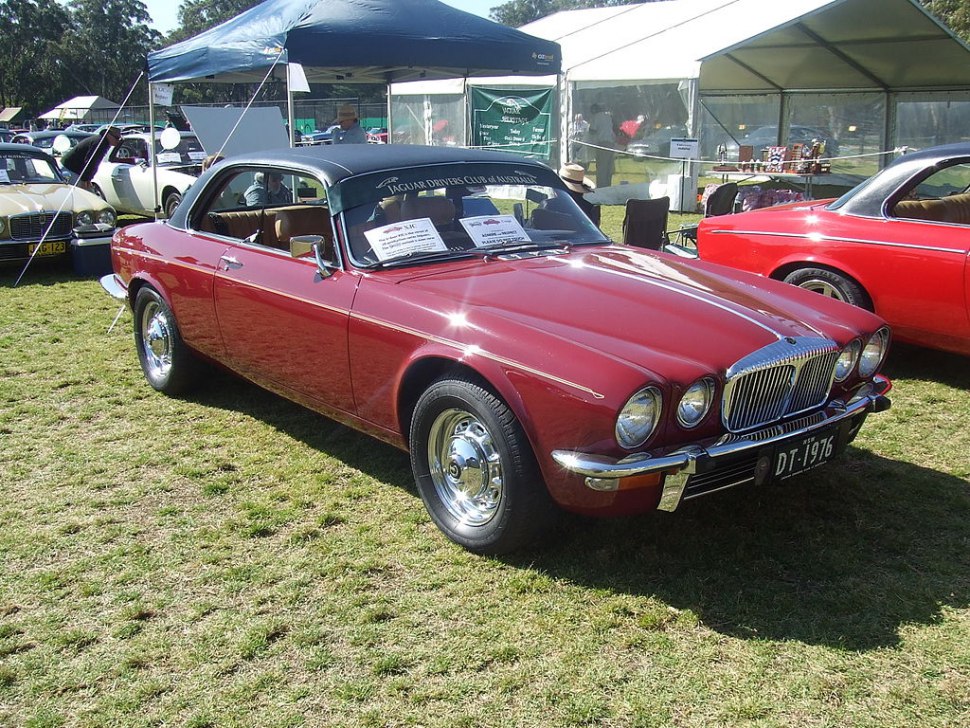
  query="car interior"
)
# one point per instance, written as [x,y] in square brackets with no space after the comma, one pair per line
[944,196]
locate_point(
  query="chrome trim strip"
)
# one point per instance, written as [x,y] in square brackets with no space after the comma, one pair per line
[464,349]
[473,350]
[601,466]
[838,239]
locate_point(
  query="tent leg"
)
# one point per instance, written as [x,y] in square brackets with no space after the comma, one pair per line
[290,116]
[151,147]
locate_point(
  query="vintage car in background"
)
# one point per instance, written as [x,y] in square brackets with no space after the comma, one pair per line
[897,244]
[126,179]
[39,208]
[457,304]
[45,139]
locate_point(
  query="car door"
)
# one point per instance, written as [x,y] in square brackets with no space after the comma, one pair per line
[117,175]
[283,324]
[927,259]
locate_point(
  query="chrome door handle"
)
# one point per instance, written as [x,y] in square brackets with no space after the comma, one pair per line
[227,262]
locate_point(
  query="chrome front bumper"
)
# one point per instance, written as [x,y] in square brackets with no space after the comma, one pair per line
[604,473]
[112,284]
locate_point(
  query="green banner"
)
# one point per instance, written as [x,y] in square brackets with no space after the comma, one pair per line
[513,120]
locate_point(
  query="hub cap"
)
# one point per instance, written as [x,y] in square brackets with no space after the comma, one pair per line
[816,285]
[466,468]
[156,340]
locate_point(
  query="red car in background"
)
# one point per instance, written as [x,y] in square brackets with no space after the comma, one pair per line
[897,244]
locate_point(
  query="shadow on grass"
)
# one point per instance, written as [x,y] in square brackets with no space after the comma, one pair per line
[844,557]
[912,362]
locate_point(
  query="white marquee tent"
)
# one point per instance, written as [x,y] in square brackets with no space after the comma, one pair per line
[875,74]
[80,107]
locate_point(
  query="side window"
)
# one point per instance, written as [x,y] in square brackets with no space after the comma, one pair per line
[944,196]
[266,207]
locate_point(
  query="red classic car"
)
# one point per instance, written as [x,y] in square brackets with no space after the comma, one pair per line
[457,304]
[897,244]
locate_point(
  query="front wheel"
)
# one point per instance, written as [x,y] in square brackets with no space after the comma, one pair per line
[475,470]
[830,284]
[171,202]
[169,365]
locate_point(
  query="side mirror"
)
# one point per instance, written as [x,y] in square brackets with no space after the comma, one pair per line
[302,244]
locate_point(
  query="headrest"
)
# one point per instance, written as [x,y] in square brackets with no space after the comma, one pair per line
[441,210]
[301,221]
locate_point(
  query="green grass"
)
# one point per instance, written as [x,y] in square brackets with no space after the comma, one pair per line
[231,559]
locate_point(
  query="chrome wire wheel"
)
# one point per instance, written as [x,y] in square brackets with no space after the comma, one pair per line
[156,340]
[465,467]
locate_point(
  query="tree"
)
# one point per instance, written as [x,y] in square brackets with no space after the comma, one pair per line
[196,16]
[105,46]
[955,13]
[30,30]
[519,12]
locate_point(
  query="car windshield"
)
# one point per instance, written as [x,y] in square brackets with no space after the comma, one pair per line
[21,169]
[188,151]
[464,218]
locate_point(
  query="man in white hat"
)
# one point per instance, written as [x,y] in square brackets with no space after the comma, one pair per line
[350,131]
[574,177]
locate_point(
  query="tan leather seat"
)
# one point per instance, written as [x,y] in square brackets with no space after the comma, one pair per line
[306,220]
[953,209]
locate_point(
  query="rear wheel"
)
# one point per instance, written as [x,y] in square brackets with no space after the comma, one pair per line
[830,284]
[169,365]
[171,202]
[475,470]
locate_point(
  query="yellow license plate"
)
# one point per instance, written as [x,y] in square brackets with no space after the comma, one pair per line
[57,247]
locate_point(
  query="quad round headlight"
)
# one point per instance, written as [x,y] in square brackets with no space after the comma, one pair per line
[85,218]
[639,417]
[847,360]
[695,403]
[873,353]
[106,217]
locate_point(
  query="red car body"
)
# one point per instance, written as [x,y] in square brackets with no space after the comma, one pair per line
[898,244]
[557,332]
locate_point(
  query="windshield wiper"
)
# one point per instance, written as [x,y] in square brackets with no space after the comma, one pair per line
[425,256]
[523,247]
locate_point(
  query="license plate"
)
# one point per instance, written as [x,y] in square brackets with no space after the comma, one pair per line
[804,454]
[56,247]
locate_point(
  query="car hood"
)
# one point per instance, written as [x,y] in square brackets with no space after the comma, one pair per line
[19,199]
[654,311]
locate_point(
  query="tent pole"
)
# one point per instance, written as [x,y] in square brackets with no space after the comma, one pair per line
[389,129]
[291,117]
[151,146]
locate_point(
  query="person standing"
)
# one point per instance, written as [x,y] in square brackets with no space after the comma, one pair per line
[603,138]
[85,158]
[350,131]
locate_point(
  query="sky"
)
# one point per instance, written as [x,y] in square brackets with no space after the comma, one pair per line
[165,12]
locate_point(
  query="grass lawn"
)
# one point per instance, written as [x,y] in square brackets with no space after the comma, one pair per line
[231,559]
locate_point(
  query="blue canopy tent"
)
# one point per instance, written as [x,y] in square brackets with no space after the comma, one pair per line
[355,41]
[351,41]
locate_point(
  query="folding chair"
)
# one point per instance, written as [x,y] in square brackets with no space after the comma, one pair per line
[719,202]
[645,223]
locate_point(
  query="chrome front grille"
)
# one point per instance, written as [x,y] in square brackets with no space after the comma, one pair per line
[782,379]
[30,226]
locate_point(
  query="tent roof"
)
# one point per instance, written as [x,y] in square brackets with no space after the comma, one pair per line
[355,41]
[78,107]
[10,113]
[761,45]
